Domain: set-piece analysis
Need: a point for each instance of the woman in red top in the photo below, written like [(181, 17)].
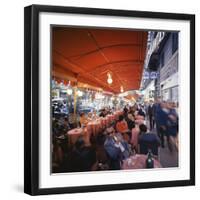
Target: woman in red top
[(121, 125)]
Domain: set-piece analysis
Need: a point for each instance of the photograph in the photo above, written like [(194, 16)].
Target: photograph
[(109, 99), (114, 99)]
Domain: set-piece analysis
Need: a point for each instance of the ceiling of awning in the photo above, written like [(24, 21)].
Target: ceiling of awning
[(87, 55)]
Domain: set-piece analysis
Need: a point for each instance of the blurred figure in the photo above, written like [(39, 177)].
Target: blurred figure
[(130, 121), (141, 111), (90, 116), (66, 124), (172, 126), (161, 115), (102, 113), (94, 114), (81, 159), (71, 120), (125, 110), (150, 112), (83, 120), (134, 137)]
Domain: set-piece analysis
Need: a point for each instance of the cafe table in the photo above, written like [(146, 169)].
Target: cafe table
[(94, 127), (138, 161)]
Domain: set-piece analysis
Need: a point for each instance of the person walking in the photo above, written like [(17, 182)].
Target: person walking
[(150, 112), (161, 121), (172, 127)]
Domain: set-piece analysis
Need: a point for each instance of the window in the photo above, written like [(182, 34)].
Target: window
[(174, 94), (174, 42)]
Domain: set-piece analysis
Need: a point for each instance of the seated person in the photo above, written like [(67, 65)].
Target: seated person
[(148, 141), (94, 114), (90, 117), (101, 155), (121, 125), (71, 120), (116, 148), (102, 113), (83, 119), (130, 121), (66, 124), (81, 158)]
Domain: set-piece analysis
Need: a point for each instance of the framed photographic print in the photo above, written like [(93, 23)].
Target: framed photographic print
[(109, 99)]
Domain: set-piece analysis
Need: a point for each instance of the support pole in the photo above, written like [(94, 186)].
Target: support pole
[(75, 104)]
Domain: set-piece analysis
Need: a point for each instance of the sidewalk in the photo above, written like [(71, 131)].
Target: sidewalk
[(167, 158)]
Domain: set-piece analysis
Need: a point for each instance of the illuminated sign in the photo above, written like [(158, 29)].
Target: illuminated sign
[(150, 75)]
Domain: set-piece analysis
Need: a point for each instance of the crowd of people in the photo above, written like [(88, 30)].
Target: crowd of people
[(164, 116), (139, 129)]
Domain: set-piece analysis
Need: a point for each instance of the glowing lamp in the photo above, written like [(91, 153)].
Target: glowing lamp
[(109, 80), (69, 91), (121, 89), (80, 93)]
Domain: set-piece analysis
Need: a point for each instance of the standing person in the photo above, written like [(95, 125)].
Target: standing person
[(156, 109), (172, 126), (150, 112), (161, 121)]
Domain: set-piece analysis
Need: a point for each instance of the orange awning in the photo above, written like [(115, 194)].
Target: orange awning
[(88, 55)]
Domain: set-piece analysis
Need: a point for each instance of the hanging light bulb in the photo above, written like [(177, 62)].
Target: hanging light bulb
[(121, 89), (61, 84), (109, 80), (69, 91), (80, 93)]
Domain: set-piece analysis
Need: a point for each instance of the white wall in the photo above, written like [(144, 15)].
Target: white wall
[(11, 100)]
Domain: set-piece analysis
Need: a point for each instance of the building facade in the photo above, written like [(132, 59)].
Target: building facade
[(162, 58)]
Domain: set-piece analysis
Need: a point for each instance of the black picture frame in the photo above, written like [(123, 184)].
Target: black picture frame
[(31, 98)]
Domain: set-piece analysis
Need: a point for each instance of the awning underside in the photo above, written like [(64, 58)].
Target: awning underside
[(88, 55)]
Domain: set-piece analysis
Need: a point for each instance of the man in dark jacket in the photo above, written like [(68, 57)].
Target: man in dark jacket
[(116, 148), (148, 140)]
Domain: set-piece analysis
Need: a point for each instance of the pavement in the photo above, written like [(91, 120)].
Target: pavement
[(166, 158)]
